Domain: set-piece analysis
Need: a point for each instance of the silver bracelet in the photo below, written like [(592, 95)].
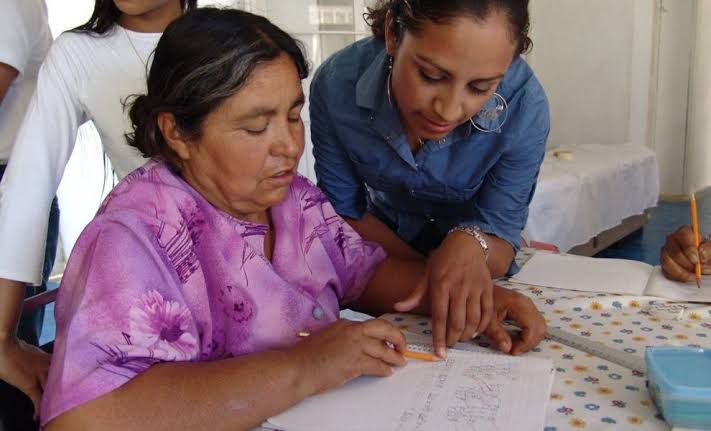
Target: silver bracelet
[(476, 233)]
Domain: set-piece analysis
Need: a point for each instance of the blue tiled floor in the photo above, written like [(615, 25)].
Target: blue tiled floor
[(643, 245)]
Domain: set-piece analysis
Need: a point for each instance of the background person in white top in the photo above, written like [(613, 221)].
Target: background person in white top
[(25, 39), (87, 74)]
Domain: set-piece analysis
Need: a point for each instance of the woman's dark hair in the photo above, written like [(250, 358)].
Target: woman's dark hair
[(203, 58), (409, 15), (106, 14)]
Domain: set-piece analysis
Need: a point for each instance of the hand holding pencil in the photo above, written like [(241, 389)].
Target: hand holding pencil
[(680, 255), (695, 230), (345, 350)]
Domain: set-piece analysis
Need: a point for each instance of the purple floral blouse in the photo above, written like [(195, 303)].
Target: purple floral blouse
[(160, 275)]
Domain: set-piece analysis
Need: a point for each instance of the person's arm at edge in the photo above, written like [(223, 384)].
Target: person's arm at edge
[(268, 383), (393, 280), (18, 35), (23, 222), (7, 76), (372, 229), (21, 365), (11, 296)]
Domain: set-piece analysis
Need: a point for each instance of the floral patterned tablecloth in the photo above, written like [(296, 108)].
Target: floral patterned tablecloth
[(589, 392)]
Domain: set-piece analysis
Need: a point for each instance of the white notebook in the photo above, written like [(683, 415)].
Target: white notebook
[(588, 274), (466, 391)]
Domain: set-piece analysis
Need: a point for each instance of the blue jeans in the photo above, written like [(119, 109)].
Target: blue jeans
[(30, 326)]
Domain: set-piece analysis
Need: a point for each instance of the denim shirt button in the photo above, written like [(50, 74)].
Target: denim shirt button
[(317, 313), (412, 192)]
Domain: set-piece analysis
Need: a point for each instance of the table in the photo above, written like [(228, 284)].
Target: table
[(591, 393)]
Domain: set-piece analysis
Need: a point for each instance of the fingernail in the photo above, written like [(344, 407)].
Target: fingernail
[(505, 346), (442, 352), (474, 335)]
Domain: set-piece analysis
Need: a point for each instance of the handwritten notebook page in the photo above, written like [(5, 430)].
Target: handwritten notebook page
[(587, 274), (466, 391)]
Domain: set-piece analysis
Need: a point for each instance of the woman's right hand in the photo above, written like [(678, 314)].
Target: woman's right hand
[(346, 349), (680, 255), (25, 367)]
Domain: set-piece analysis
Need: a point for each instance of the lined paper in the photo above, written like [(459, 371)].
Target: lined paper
[(466, 391)]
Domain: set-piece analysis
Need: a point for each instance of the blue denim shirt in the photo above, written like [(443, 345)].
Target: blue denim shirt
[(364, 162)]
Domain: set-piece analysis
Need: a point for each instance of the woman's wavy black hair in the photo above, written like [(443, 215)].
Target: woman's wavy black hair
[(409, 15), (202, 59)]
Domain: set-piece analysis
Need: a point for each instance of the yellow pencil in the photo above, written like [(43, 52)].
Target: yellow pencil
[(422, 356), (695, 228)]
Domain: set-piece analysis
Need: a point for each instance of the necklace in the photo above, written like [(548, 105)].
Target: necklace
[(135, 51)]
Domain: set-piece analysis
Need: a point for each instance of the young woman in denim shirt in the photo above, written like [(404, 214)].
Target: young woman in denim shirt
[(428, 137)]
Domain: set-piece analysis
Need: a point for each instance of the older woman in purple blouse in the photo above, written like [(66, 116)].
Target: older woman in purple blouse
[(182, 301)]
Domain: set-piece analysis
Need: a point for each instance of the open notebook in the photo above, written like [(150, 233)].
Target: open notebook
[(467, 391), (588, 274)]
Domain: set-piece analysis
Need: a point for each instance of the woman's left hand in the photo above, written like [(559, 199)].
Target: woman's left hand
[(514, 306), (458, 283)]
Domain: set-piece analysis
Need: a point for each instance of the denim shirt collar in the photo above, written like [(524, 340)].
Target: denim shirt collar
[(372, 81), (371, 94)]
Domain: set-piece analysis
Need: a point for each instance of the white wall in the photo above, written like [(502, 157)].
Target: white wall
[(63, 18), (630, 71), (582, 55), (641, 69), (697, 163), (670, 89)]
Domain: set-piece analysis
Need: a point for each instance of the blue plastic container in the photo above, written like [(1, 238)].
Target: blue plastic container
[(680, 384)]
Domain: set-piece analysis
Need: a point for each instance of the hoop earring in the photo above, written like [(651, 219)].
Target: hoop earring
[(492, 118), (389, 79)]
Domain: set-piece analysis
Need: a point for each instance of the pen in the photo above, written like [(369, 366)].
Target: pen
[(695, 228), (422, 356)]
